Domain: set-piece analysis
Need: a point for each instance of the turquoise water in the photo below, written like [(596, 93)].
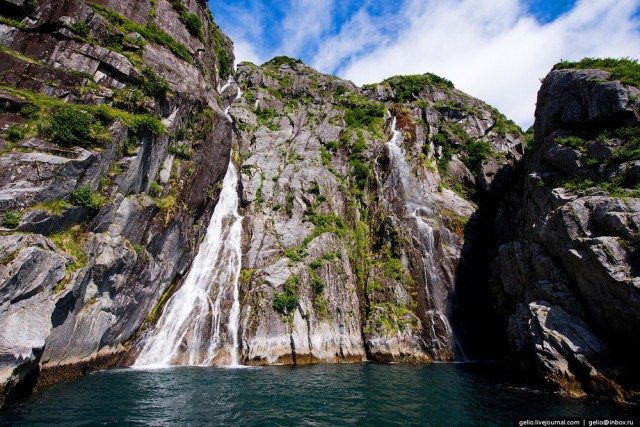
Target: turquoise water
[(358, 394)]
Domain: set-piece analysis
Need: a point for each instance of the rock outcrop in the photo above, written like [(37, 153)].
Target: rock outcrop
[(112, 107), (573, 270)]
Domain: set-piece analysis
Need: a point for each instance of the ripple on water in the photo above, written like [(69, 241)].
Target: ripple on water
[(317, 395)]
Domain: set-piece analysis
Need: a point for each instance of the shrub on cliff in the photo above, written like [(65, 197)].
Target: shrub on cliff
[(287, 301), (87, 198), (194, 25), (152, 84), (11, 219), (70, 126)]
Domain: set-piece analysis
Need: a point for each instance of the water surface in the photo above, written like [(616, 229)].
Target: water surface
[(355, 394)]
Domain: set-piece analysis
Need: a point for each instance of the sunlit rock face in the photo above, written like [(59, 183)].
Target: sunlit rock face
[(573, 270), (113, 108), (356, 205), (395, 222)]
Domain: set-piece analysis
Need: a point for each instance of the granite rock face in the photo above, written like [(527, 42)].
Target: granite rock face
[(573, 270), (78, 282), (348, 200)]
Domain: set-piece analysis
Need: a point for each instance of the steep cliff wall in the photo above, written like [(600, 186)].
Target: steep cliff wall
[(573, 270), (112, 144), (356, 203)]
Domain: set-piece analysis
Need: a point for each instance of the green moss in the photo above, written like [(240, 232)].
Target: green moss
[(626, 70), (358, 255), (225, 64), (573, 142), (180, 150), (362, 113), (157, 309), (295, 254), (246, 275), (55, 206), (389, 318), (394, 269), (81, 28), (250, 97), (12, 22), (267, 117), (16, 134), (31, 5)]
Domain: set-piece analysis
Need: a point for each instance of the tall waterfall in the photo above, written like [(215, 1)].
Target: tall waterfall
[(418, 211), (189, 331)]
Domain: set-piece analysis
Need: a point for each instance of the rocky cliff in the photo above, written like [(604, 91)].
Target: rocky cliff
[(357, 202), (113, 142), (395, 222), (573, 269)]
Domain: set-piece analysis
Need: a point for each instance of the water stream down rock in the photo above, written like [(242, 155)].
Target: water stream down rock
[(193, 329), (160, 208)]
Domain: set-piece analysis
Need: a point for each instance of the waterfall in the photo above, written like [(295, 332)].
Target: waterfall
[(418, 211), (189, 329)]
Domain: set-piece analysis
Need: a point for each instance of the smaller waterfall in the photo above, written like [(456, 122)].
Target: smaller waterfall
[(418, 210), (189, 329)]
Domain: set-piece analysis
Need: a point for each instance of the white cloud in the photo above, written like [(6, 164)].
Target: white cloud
[(305, 23), (491, 50), (360, 32), (245, 51)]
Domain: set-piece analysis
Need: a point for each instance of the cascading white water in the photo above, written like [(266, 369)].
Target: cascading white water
[(417, 210), (189, 329)]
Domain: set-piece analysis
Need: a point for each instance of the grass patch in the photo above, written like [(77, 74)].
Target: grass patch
[(153, 85), (281, 60), (83, 125), (626, 70), (71, 242), (55, 206), (362, 113), (225, 63)]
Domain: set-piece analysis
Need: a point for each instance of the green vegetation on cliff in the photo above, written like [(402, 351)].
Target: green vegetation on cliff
[(626, 70), (406, 87), (286, 302), (150, 31)]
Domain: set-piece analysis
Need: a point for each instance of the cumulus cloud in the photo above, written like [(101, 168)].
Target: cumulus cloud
[(245, 51), (494, 50), (305, 23)]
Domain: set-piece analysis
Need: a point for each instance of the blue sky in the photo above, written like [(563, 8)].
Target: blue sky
[(496, 50)]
